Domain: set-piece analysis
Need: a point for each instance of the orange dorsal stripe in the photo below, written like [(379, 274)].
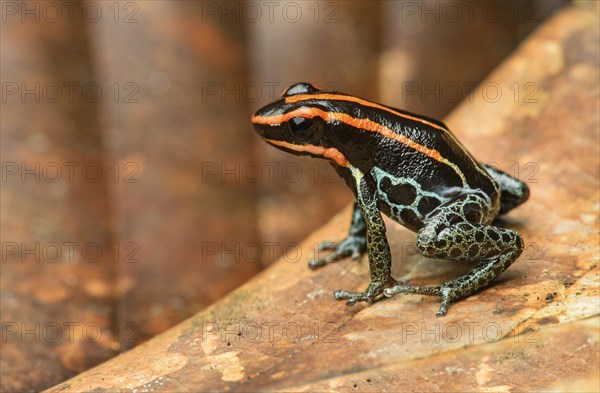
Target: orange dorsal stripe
[(364, 124), (340, 97)]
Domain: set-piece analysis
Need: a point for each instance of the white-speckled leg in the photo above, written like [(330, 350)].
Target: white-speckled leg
[(455, 232)]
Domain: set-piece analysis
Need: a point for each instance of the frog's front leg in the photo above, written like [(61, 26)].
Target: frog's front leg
[(457, 231), (378, 249), (355, 244)]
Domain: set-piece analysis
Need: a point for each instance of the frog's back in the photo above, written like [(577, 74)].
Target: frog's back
[(409, 149), (415, 147), (431, 153), (417, 162)]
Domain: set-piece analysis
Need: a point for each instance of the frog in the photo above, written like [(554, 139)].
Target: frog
[(410, 168)]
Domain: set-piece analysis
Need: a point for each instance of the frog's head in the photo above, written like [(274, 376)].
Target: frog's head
[(298, 123)]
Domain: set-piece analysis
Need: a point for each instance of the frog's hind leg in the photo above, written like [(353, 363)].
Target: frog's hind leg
[(457, 231), (513, 192)]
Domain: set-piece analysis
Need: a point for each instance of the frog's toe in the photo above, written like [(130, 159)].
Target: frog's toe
[(317, 263), (448, 295), (443, 309), (340, 294), (327, 245), (353, 246), (402, 288), (440, 291), (333, 257), (351, 297)]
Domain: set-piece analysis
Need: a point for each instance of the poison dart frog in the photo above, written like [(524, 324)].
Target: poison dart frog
[(414, 170)]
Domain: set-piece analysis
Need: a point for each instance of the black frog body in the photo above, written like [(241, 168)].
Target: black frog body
[(409, 167)]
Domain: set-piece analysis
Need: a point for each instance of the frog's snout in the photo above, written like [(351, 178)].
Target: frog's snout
[(260, 128), (267, 121)]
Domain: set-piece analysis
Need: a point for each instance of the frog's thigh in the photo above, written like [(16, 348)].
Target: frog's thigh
[(455, 231)]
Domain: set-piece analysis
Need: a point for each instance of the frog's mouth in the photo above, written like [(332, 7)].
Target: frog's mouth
[(267, 131), (307, 150)]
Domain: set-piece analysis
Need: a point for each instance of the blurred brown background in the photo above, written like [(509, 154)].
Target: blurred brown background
[(134, 191)]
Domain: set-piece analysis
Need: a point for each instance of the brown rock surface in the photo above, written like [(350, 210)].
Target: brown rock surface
[(534, 329)]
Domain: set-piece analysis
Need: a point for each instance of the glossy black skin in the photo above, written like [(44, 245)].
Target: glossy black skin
[(450, 204), (366, 149)]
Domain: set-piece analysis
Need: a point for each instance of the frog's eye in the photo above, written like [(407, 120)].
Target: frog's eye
[(302, 128), (299, 88)]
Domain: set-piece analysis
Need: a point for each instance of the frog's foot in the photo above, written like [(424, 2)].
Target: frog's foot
[(371, 295), (445, 293), (353, 246), (352, 297), (463, 286)]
